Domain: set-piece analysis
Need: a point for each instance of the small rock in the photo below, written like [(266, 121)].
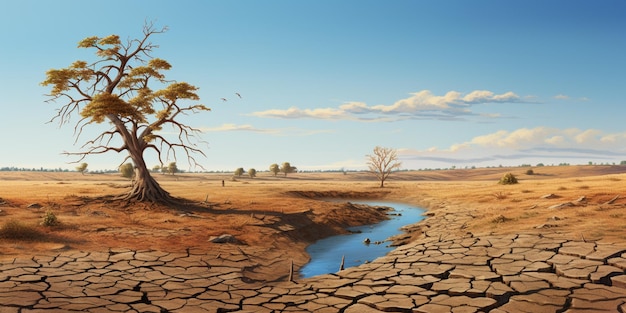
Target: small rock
[(34, 206), (547, 225), (226, 238), (561, 205), (548, 196), (367, 241)]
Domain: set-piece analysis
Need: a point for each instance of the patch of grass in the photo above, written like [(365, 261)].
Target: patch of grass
[(500, 219), (526, 191), (133, 219), (616, 215), (614, 179), (583, 187), (500, 195), (562, 188), (16, 230)]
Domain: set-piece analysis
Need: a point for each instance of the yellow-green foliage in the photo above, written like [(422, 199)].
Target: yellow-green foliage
[(49, 219), (508, 179)]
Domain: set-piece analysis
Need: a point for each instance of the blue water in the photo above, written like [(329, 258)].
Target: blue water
[(326, 253)]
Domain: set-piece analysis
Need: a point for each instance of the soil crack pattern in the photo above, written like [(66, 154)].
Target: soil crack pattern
[(445, 270)]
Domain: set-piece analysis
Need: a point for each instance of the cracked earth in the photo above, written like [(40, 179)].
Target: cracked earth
[(439, 272)]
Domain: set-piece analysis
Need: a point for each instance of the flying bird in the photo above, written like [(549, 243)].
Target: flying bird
[(238, 95), (224, 99)]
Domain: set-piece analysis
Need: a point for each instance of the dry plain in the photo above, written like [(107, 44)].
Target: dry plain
[(275, 218)]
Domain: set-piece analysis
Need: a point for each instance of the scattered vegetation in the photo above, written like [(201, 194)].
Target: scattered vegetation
[(500, 195), (239, 172), (274, 169), (508, 179), (82, 168), (500, 219), (530, 172), (286, 168), (127, 170), (49, 219)]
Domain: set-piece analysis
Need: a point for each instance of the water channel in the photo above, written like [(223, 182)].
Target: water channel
[(326, 253)]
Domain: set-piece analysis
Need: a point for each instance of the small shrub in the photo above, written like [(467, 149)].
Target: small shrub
[(508, 179), (530, 172), (49, 219)]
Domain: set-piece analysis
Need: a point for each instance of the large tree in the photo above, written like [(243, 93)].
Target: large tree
[(382, 162), (117, 88)]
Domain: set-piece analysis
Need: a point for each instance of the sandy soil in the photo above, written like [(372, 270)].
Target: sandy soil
[(275, 218)]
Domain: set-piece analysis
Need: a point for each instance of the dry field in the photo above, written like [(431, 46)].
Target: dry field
[(277, 217)]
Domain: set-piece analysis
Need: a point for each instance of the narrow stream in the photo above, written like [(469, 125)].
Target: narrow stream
[(326, 253)]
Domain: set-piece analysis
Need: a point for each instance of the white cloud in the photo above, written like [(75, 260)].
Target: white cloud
[(277, 132), (294, 112), (541, 144), (419, 105), (234, 127)]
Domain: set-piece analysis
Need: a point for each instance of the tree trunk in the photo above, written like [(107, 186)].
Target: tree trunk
[(145, 188)]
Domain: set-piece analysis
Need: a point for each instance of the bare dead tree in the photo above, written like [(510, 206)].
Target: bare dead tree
[(382, 163)]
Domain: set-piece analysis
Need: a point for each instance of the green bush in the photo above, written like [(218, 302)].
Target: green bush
[(530, 172), (508, 179), (49, 219)]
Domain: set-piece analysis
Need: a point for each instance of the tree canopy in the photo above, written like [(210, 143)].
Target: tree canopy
[(286, 168)]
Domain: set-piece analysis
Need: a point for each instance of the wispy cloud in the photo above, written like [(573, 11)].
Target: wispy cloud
[(551, 144), (561, 97), (271, 131), (235, 127), (420, 105)]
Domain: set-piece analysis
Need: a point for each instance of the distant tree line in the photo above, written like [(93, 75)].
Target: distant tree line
[(285, 168), (275, 169)]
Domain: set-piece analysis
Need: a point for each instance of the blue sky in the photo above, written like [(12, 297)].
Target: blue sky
[(447, 83)]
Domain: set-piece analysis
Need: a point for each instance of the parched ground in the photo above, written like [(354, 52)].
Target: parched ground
[(282, 215), (562, 218)]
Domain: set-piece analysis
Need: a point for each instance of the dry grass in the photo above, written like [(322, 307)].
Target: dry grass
[(14, 230), (261, 211)]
